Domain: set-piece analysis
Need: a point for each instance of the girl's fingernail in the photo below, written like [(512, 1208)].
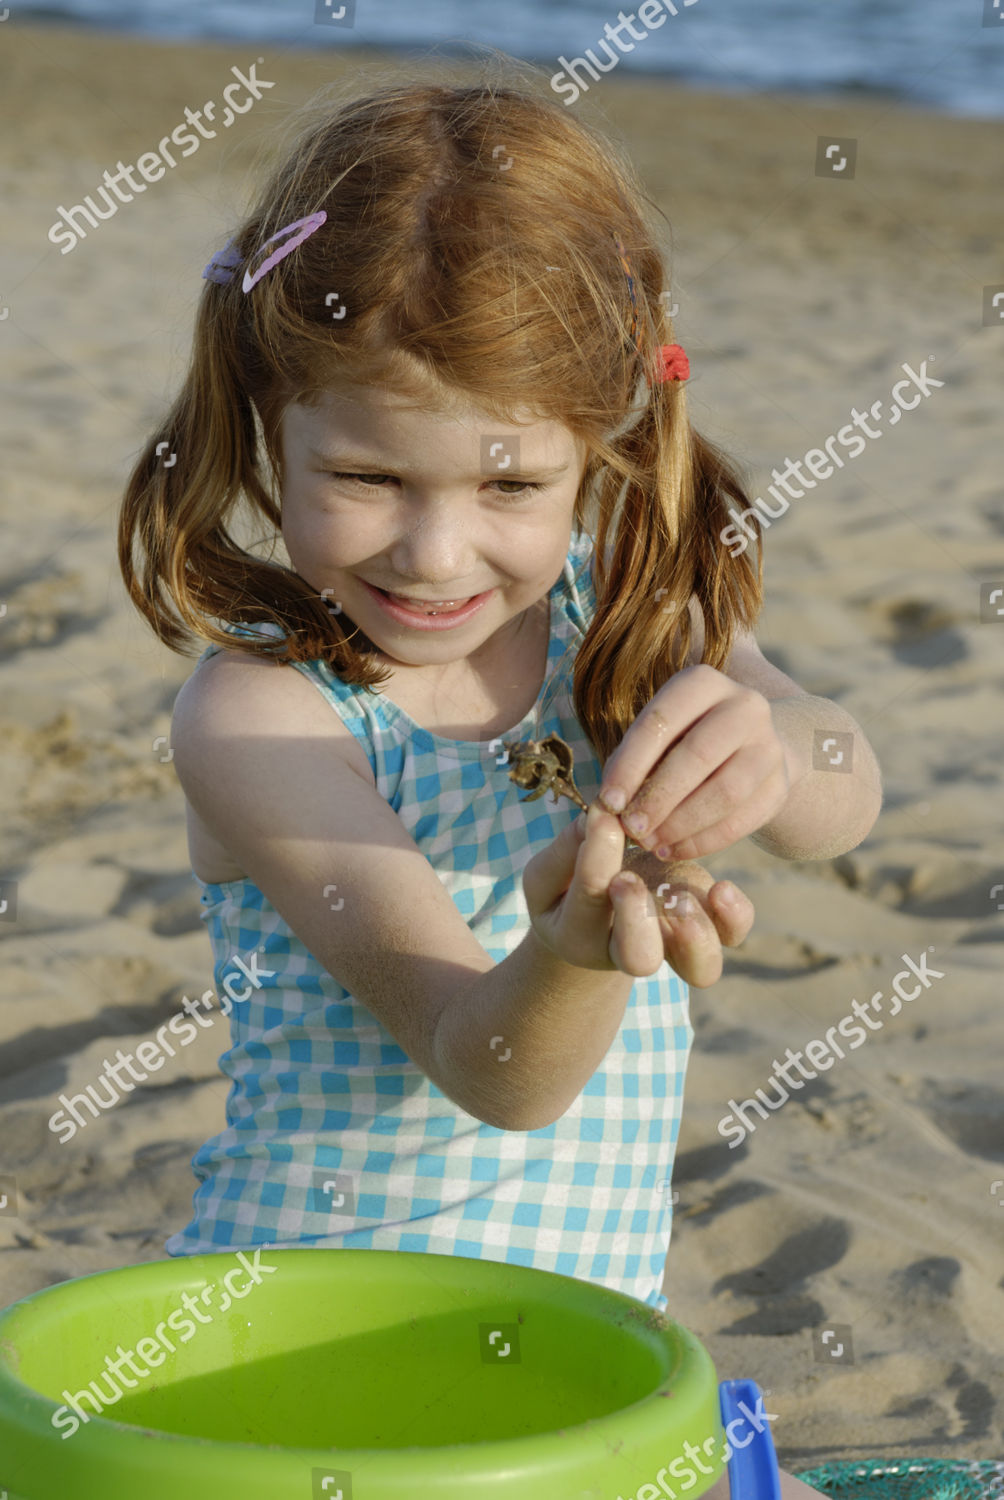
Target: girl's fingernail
[(727, 894), (684, 906), (614, 798)]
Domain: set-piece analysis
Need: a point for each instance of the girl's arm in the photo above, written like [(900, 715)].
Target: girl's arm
[(835, 791), (836, 784), (834, 787), (255, 754)]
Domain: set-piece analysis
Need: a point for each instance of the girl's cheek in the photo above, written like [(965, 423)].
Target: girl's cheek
[(336, 543)]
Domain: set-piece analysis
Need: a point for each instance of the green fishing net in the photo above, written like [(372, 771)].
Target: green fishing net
[(909, 1479)]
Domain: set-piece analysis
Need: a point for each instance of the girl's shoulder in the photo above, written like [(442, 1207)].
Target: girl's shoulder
[(232, 685), (223, 672)]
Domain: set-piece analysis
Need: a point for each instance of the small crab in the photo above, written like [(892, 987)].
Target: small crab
[(544, 765)]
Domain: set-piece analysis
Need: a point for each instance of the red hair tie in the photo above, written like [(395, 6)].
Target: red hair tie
[(673, 363)]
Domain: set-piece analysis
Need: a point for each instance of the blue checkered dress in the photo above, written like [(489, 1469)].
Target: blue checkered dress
[(334, 1137)]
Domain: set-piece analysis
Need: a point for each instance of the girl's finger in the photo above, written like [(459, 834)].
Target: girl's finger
[(600, 857), (733, 918), (691, 944), (551, 870), (587, 914), (636, 942)]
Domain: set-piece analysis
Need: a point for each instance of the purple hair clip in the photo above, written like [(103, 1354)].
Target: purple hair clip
[(223, 265)]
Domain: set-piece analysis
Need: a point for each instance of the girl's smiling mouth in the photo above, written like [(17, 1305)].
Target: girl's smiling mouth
[(427, 615)]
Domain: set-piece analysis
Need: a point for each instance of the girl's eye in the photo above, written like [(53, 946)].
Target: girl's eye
[(524, 486)]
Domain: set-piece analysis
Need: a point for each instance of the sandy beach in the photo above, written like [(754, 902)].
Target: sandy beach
[(872, 1203)]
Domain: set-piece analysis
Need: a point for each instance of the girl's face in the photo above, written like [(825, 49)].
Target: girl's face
[(379, 496)]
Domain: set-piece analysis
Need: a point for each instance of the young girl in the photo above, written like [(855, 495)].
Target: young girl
[(433, 356)]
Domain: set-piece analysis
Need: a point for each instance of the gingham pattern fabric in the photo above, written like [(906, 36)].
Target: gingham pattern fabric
[(335, 1137)]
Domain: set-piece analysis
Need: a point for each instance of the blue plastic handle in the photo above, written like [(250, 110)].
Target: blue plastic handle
[(753, 1471)]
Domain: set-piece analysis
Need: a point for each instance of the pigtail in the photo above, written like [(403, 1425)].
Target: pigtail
[(667, 548), (205, 457)]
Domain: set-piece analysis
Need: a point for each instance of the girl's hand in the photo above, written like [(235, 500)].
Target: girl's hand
[(718, 769), (585, 911)]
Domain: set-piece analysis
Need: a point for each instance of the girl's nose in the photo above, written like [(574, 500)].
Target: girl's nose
[(440, 554)]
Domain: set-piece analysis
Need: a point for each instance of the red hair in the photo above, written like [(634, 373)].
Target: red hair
[(440, 257)]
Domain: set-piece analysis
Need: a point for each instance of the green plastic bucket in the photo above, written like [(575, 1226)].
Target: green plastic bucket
[(349, 1375)]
